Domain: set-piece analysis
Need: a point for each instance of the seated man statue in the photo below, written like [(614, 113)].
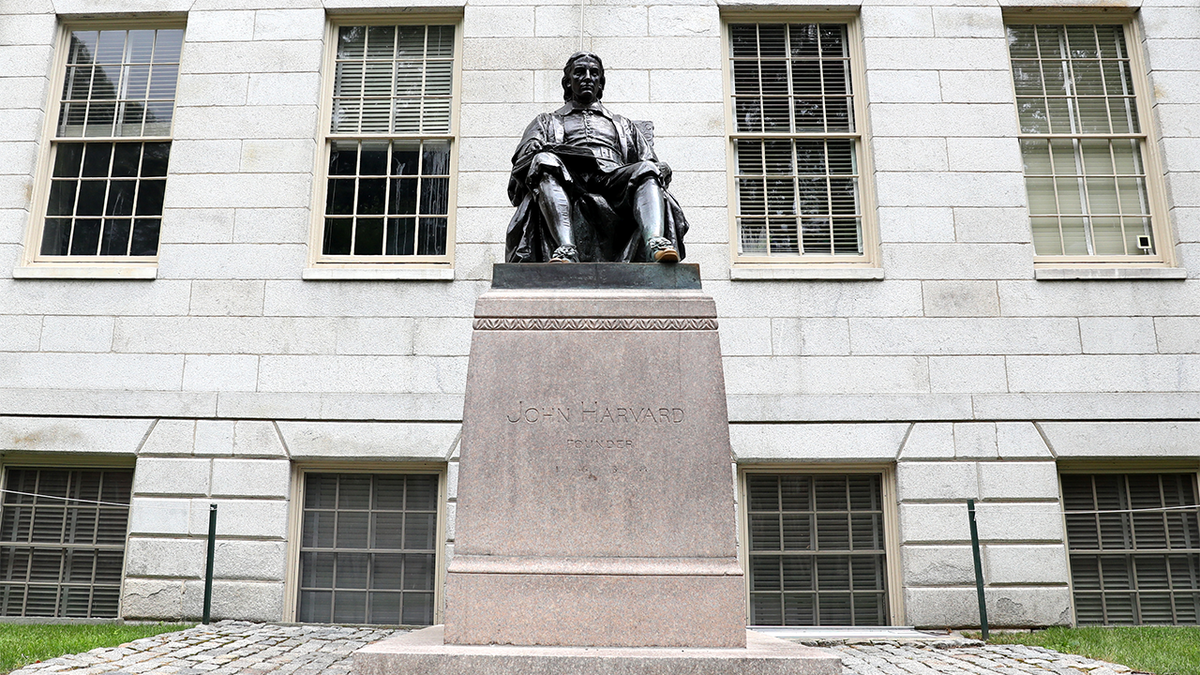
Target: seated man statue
[(587, 185)]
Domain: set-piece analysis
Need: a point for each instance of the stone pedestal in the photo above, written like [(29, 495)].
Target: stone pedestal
[(596, 489), (595, 528)]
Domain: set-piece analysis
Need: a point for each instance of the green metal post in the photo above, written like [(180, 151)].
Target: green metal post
[(212, 549), (983, 624)]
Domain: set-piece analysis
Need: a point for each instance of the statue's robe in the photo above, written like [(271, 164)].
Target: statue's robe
[(604, 228)]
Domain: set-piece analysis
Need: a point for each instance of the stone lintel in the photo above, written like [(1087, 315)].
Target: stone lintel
[(423, 653)]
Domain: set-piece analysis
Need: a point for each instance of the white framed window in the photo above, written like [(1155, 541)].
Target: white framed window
[(389, 160), (369, 548), (104, 171), (1134, 546), (1091, 170), (799, 176), (62, 541), (815, 549)]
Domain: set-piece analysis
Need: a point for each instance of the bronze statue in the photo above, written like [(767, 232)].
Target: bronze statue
[(587, 184)]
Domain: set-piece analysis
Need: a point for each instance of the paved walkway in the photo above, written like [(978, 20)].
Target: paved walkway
[(232, 647)]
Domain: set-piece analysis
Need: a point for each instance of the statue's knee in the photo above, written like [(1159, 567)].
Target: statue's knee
[(544, 167), (647, 168), (545, 160)]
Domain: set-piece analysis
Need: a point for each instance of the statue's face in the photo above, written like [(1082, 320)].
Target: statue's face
[(585, 80)]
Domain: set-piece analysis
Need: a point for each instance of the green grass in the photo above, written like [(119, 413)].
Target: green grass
[(1165, 650), (21, 645)]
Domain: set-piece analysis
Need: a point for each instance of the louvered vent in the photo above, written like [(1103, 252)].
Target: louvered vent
[(61, 554), (816, 550), (1139, 567), (368, 549)]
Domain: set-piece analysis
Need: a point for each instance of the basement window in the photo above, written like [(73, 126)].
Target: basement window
[(1128, 565), (816, 553), (368, 548), (62, 542)]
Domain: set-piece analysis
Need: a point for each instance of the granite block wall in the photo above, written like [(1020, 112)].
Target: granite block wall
[(959, 368)]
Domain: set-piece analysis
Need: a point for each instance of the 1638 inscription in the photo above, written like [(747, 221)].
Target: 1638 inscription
[(530, 413)]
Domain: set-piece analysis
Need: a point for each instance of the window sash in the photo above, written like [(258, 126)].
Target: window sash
[(792, 83)]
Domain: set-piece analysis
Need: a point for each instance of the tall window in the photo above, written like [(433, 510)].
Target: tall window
[(368, 550), (1134, 543), (1083, 140), (816, 550), (796, 143), (62, 541), (111, 145), (390, 145)]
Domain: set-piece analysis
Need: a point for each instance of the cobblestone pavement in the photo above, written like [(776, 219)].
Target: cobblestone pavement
[(258, 649)]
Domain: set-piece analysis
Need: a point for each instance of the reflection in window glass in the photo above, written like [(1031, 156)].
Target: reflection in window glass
[(106, 192)]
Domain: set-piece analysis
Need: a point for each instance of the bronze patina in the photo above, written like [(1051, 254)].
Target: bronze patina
[(587, 184)]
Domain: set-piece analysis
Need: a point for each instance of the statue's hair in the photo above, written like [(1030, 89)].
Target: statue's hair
[(566, 80)]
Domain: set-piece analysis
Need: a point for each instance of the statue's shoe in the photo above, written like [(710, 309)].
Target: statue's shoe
[(666, 255), (565, 254)]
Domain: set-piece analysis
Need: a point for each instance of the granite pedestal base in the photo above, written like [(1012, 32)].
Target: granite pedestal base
[(595, 494), (424, 653)]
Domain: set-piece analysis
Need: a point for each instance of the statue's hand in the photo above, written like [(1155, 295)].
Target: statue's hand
[(665, 170)]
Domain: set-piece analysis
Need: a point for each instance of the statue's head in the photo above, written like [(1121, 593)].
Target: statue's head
[(583, 77)]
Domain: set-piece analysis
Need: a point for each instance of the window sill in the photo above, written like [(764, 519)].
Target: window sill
[(1107, 273), (781, 272), (86, 271), (390, 273)]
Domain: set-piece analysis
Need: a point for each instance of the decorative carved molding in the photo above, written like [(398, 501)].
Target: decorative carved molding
[(538, 323)]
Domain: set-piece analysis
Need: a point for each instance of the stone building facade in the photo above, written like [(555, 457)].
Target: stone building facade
[(249, 355)]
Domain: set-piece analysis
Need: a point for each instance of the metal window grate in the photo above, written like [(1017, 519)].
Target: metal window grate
[(388, 191), (796, 144), (368, 549), (106, 198), (816, 550), (1139, 567), (60, 554), (1081, 140)]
